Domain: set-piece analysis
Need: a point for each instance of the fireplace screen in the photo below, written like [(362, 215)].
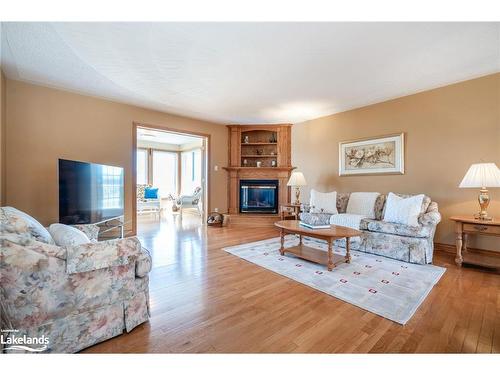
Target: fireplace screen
[(259, 196)]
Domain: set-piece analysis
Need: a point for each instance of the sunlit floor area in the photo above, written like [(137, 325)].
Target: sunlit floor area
[(171, 237)]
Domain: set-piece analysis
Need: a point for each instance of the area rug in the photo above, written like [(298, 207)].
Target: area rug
[(383, 286)]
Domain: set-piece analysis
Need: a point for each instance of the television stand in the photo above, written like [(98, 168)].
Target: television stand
[(111, 228)]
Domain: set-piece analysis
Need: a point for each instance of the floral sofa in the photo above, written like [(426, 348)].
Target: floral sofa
[(397, 241), (76, 296)]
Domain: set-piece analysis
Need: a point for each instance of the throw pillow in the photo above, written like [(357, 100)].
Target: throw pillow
[(65, 235), (403, 210), (323, 202), (362, 204), (151, 193), (36, 229)]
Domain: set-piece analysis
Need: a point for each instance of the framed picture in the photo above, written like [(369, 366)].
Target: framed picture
[(381, 155)]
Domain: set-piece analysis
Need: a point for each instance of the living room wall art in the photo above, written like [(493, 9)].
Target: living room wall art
[(380, 155)]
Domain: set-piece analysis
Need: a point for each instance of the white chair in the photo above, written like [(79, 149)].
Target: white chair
[(190, 201)]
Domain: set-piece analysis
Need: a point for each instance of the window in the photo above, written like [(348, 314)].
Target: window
[(165, 172), (191, 170), (142, 166), (112, 187)]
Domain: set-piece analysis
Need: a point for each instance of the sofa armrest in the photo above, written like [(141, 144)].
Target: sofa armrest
[(432, 217), (144, 263), (91, 230), (94, 256)]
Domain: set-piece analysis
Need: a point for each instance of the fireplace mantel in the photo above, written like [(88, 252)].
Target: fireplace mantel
[(259, 169), (269, 144)]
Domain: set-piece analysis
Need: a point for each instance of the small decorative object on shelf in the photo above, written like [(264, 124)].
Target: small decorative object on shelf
[(273, 163), (246, 139), (215, 219), (259, 164), (245, 162), (259, 151), (273, 138)]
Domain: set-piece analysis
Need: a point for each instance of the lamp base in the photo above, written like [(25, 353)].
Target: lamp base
[(297, 196), (484, 201)]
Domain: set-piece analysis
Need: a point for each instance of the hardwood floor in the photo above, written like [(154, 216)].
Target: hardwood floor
[(205, 300)]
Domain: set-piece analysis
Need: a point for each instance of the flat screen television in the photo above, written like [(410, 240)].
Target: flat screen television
[(89, 193)]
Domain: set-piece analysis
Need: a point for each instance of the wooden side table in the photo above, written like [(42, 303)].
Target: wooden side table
[(467, 225), (290, 211)]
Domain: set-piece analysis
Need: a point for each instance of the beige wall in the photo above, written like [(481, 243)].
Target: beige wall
[(447, 129), (44, 124), (3, 113)]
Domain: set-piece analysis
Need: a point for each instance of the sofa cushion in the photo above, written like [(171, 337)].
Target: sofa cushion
[(12, 224), (347, 220), (425, 203), (361, 203), (403, 210), (379, 207), (65, 235), (36, 229), (323, 202), (397, 229), (342, 199)]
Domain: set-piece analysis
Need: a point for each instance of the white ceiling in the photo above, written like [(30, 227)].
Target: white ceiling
[(249, 72), (149, 135)]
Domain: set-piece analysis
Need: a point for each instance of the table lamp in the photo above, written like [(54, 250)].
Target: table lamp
[(297, 180), (482, 176)]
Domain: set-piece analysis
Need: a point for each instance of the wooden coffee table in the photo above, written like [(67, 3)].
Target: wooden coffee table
[(315, 255)]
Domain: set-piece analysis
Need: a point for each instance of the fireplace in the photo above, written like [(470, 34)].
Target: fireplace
[(259, 196)]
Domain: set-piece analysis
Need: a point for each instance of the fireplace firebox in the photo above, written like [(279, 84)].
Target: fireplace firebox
[(259, 196)]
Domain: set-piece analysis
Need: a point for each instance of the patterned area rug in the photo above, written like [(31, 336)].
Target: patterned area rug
[(383, 286)]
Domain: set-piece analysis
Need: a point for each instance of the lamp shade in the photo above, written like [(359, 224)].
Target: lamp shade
[(297, 179), (481, 175)]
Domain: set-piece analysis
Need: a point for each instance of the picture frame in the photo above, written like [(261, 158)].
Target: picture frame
[(373, 156)]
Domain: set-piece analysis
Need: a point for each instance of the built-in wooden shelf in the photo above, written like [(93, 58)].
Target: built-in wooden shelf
[(259, 156), (259, 168), (258, 143), (274, 144)]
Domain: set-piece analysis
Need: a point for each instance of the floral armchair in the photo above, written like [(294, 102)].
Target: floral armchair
[(76, 296)]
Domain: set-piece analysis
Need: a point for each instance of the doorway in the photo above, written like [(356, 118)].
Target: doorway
[(170, 177)]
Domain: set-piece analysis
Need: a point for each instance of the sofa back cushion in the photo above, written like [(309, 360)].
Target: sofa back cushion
[(362, 203), (65, 235), (403, 210), (323, 202), (426, 201), (36, 229)]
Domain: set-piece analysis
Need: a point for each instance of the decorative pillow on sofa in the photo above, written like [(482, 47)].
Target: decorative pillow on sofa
[(65, 235), (151, 193), (403, 210), (36, 229), (323, 202), (362, 204)]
